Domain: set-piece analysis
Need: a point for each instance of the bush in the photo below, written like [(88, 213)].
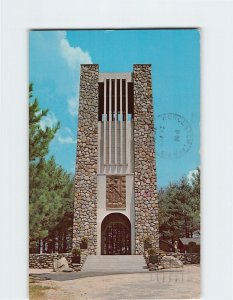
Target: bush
[(147, 240), (153, 251), (76, 252)]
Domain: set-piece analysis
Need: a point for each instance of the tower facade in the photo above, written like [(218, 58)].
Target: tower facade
[(116, 204)]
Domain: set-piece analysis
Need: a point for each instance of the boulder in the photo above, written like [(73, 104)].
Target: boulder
[(168, 262), (61, 265)]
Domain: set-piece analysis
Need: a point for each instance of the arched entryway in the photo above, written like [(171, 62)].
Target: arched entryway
[(115, 235)]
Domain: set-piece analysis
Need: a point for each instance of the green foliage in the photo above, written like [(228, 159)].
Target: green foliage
[(153, 251), (50, 205), (50, 187), (39, 138), (147, 240), (179, 208), (85, 239), (76, 252)]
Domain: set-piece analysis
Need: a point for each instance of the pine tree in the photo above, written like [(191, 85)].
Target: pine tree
[(51, 198), (39, 138), (50, 187), (179, 208)]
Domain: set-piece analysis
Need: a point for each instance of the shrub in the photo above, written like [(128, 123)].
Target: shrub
[(153, 251), (76, 252), (147, 240)]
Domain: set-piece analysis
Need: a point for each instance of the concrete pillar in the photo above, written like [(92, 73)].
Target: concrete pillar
[(105, 121), (110, 123), (121, 124), (115, 81), (127, 148)]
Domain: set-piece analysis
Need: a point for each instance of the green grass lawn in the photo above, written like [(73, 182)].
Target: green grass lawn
[(37, 291)]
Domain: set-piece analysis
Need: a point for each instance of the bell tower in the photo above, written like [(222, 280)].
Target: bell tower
[(115, 205)]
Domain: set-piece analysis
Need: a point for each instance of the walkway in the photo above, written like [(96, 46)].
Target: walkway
[(173, 284)]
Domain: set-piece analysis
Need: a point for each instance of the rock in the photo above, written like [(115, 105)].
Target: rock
[(153, 267), (160, 267), (55, 268), (68, 270), (168, 262), (61, 265)]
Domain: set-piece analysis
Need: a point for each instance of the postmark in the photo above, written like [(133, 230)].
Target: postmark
[(174, 135)]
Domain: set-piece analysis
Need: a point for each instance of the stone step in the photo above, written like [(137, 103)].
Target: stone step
[(115, 263)]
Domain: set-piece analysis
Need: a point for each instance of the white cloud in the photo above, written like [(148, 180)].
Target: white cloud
[(73, 106), (55, 72), (190, 175), (48, 121), (74, 55), (66, 137), (55, 68), (67, 129)]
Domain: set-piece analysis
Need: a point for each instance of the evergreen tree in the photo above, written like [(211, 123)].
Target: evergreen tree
[(179, 208), (39, 138), (195, 197), (50, 187), (51, 198)]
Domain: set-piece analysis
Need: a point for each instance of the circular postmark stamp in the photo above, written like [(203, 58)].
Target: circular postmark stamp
[(174, 135)]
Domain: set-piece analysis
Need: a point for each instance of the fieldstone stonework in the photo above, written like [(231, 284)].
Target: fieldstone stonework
[(146, 201), (185, 258), (85, 203), (46, 260), (116, 204)]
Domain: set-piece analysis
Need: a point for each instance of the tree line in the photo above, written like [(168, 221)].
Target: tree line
[(179, 208), (50, 188), (51, 195)]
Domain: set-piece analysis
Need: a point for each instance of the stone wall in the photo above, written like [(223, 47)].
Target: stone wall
[(146, 202), (186, 258), (85, 203), (45, 260), (190, 258)]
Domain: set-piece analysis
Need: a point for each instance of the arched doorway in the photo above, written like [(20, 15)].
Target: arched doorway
[(115, 235)]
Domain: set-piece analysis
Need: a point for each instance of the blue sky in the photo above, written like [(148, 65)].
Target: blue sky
[(54, 69)]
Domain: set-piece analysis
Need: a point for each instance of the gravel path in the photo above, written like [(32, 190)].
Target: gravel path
[(173, 284)]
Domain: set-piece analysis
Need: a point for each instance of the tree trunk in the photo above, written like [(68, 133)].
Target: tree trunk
[(59, 242), (64, 241), (38, 242), (53, 245), (186, 228)]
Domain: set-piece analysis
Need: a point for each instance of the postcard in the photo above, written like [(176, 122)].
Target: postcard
[(114, 164)]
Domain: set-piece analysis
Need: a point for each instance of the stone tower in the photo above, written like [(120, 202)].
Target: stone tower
[(116, 204)]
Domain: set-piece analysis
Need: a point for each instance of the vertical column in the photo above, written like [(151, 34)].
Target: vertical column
[(115, 81), (105, 120), (110, 123), (121, 125), (85, 193), (127, 148), (145, 193), (126, 100)]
